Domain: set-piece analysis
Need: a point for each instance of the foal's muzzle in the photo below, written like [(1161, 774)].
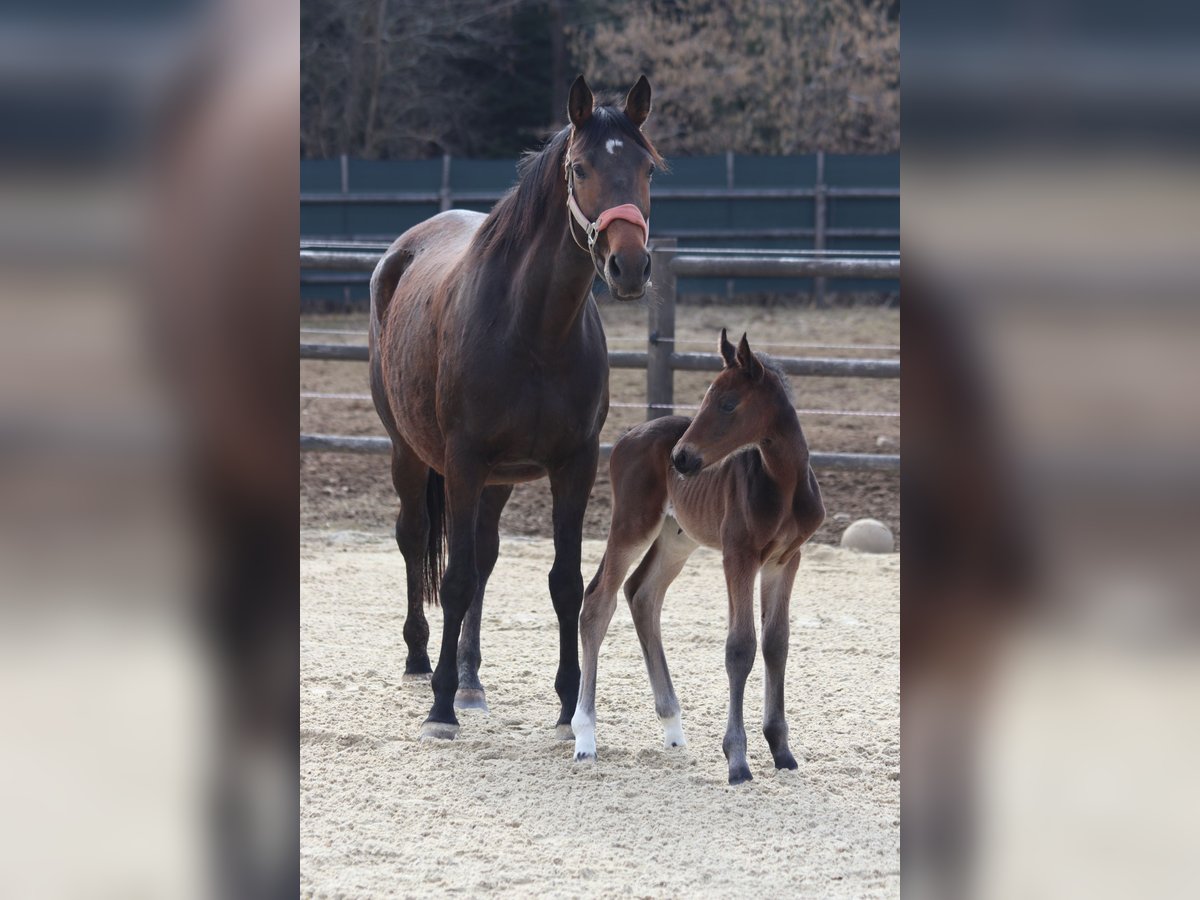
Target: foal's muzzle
[(686, 461)]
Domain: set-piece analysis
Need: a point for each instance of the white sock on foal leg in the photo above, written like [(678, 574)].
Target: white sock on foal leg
[(585, 736), (672, 731)]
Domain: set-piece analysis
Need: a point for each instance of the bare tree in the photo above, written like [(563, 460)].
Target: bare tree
[(757, 76), (411, 78), (416, 78)]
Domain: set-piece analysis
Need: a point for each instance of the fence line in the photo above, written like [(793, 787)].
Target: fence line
[(326, 395), (660, 360), (820, 193), (639, 338), (336, 443), (813, 366)]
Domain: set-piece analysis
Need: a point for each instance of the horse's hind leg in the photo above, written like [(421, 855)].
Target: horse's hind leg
[(465, 479), (645, 591), (470, 693), (410, 478), (777, 584)]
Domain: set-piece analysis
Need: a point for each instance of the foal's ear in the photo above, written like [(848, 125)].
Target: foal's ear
[(637, 103), (580, 102), (748, 361), (726, 350)]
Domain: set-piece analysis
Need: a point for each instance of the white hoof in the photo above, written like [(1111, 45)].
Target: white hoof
[(673, 732), (585, 744), (416, 677), (438, 731), (564, 732)]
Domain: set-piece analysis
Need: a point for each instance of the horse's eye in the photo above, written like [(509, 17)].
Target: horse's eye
[(578, 170), (729, 404), (650, 173)]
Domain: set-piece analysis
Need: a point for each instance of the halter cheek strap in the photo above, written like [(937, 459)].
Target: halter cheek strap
[(626, 212)]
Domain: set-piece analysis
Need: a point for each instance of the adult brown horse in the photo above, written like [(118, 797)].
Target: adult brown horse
[(489, 368), (735, 478)]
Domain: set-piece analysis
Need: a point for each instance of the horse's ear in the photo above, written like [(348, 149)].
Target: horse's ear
[(748, 361), (726, 349), (637, 103), (580, 102)]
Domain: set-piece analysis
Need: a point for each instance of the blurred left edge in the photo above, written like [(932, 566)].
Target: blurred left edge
[(148, 574)]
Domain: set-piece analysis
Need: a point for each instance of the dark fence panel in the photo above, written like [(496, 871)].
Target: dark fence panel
[(773, 202)]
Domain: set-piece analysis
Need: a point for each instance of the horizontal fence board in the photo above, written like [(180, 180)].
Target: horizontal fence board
[(692, 362), (335, 443), (788, 193), (795, 365), (693, 266), (357, 352)]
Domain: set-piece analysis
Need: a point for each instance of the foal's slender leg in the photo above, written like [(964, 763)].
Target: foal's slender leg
[(645, 591), (777, 584), (570, 485), (740, 647), (598, 606), (409, 477), (470, 693), (465, 478)]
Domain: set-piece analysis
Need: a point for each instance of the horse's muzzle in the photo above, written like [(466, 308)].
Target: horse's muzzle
[(686, 461), (628, 272)]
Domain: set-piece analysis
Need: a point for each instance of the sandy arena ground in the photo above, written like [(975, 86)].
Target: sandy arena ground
[(505, 810)]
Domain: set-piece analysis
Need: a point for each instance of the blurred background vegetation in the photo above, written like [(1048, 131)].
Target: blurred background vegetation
[(403, 79)]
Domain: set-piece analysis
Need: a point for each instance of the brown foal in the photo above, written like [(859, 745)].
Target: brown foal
[(735, 478)]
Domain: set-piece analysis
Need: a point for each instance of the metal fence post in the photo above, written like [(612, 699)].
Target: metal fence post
[(660, 375), (729, 183), (344, 162), (445, 191), (819, 223)]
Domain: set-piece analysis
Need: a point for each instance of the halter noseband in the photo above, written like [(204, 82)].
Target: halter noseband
[(626, 212)]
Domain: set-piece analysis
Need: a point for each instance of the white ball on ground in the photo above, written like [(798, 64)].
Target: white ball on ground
[(868, 536)]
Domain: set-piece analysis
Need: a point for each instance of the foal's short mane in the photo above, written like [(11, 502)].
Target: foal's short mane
[(775, 366), (541, 182)]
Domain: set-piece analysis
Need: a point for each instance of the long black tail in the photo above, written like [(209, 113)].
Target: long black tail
[(435, 551)]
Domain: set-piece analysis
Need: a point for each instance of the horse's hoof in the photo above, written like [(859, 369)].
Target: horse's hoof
[(417, 677), (585, 756), (785, 760), (563, 732), (673, 744), (438, 731), (470, 698), (740, 774)]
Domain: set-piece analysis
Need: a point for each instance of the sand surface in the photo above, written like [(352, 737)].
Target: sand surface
[(505, 810)]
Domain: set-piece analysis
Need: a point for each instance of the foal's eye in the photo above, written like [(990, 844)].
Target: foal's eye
[(650, 172), (729, 404)]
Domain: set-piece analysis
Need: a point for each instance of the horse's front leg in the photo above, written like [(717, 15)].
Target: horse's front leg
[(777, 584), (740, 648), (465, 478), (571, 485)]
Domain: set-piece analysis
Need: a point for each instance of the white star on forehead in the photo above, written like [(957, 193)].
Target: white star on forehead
[(611, 144)]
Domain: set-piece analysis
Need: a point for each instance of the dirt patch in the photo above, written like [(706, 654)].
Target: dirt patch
[(504, 810), (353, 492)]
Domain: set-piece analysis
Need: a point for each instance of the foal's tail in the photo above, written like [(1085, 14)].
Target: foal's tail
[(435, 549)]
